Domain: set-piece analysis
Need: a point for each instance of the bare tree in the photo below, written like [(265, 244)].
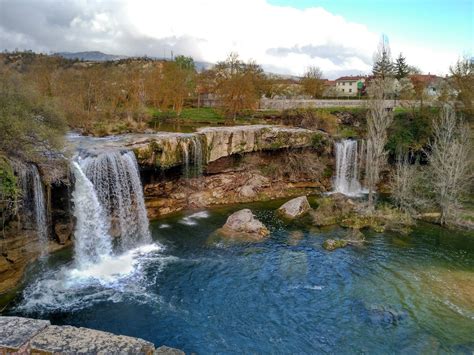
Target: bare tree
[(404, 185), (312, 82), (379, 120), (450, 162)]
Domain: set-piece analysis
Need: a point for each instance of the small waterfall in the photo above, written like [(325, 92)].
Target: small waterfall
[(347, 168), (116, 181), (92, 241), (191, 149), (33, 201)]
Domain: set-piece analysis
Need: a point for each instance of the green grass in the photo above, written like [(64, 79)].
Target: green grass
[(204, 114)]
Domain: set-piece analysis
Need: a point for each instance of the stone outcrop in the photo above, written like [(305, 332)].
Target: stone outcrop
[(258, 176), (294, 208), (243, 226), (32, 336), (166, 150)]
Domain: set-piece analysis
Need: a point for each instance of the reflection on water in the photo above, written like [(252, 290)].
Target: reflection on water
[(395, 294)]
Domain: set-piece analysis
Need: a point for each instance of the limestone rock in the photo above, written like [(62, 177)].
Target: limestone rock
[(166, 350), (15, 332), (295, 208), (72, 340), (333, 244), (63, 232), (242, 225)]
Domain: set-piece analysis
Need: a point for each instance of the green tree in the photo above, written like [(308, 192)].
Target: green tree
[(383, 66), (401, 67)]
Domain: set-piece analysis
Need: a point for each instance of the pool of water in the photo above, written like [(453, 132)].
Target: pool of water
[(394, 294)]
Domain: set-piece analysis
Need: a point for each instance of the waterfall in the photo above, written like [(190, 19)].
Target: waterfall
[(347, 168), (33, 201), (191, 149), (92, 241), (116, 182)]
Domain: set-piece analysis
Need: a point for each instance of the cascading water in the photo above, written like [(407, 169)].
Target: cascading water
[(191, 148), (116, 181), (92, 241), (347, 168), (107, 191), (34, 200)]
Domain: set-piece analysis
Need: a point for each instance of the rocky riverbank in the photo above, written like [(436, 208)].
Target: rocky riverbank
[(33, 336)]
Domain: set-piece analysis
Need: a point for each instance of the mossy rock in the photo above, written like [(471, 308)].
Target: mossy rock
[(363, 221), (333, 244)]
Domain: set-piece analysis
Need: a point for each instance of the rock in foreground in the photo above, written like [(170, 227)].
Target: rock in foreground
[(33, 336), (294, 208), (243, 226)]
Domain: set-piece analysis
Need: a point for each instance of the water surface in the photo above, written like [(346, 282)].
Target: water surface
[(395, 294)]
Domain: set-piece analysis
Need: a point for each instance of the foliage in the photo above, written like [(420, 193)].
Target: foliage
[(31, 125), (383, 66), (410, 131), (463, 81), (401, 67), (238, 85), (312, 83)]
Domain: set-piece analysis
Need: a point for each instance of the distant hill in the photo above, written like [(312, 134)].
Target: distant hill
[(92, 56), (96, 56)]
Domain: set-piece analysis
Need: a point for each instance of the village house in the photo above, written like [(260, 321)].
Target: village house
[(349, 85)]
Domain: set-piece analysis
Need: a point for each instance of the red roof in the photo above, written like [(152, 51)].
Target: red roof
[(424, 78)]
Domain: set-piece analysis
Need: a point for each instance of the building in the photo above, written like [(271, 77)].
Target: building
[(431, 83), (349, 85)]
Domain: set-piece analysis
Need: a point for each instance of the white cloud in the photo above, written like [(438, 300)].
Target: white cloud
[(282, 39)]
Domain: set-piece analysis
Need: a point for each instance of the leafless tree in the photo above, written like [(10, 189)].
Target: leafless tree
[(404, 184), (450, 161), (379, 120)]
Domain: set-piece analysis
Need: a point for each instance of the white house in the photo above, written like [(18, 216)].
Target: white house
[(347, 85)]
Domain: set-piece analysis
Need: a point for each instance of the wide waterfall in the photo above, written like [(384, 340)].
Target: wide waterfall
[(92, 241), (116, 181), (191, 149), (347, 168), (34, 199)]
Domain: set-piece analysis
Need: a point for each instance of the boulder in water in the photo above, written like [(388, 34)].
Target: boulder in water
[(355, 236), (333, 244), (243, 226), (294, 208)]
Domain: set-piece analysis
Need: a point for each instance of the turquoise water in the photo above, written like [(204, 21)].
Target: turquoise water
[(394, 294)]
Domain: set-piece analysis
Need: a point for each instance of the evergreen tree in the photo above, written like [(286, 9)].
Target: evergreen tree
[(401, 67), (383, 66)]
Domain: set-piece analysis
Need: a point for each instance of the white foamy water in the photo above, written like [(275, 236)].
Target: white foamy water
[(114, 278), (191, 220), (92, 241), (347, 168)]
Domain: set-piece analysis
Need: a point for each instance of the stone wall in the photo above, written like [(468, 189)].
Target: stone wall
[(33, 336), (284, 104)]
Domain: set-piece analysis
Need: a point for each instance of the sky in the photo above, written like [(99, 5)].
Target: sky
[(286, 37)]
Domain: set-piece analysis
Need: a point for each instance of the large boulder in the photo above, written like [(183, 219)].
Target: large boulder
[(294, 208), (243, 226)]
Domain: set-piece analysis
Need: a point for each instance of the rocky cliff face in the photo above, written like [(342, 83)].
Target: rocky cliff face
[(167, 150)]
